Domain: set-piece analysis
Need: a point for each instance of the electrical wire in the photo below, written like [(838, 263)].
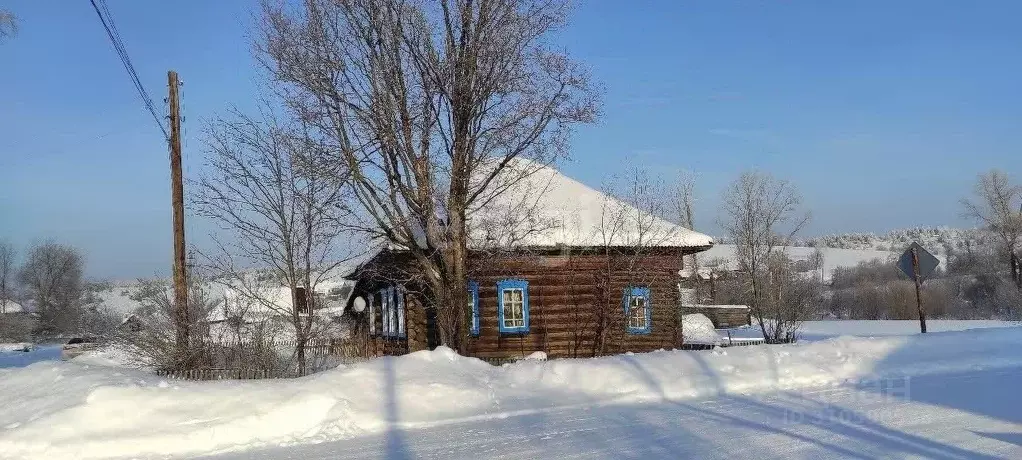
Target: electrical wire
[(115, 39)]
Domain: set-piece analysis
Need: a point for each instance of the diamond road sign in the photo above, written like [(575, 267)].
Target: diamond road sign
[(927, 262)]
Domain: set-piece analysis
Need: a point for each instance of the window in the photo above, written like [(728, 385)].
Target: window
[(513, 299), (399, 301), (392, 306), (637, 310), (384, 311), (473, 306), (392, 301)]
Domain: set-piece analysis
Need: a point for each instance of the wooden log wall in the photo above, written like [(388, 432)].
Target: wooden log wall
[(576, 304), (721, 317)]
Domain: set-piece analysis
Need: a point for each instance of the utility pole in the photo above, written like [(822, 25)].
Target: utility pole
[(178, 203)]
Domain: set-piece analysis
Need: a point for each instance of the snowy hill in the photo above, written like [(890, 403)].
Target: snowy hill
[(850, 249), (722, 257), (942, 240)]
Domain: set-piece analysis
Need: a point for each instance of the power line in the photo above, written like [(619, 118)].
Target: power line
[(115, 39)]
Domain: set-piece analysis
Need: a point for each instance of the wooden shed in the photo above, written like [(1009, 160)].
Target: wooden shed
[(722, 316), (557, 292)]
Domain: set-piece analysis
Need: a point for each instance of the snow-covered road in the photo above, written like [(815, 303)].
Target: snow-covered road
[(942, 416)]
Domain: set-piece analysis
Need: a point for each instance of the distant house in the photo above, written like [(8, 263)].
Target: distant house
[(8, 306), (722, 316), (131, 323), (240, 314), (16, 321), (574, 288)]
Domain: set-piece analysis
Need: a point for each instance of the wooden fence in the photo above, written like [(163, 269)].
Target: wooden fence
[(232, 360), (242, 360), (215, 374)]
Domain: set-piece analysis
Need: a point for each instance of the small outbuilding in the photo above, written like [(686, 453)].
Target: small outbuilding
[(722, 316)]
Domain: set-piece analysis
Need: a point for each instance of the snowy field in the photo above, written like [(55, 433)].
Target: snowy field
[(833, 258), (813, 331), (819, 330), (440, 405)]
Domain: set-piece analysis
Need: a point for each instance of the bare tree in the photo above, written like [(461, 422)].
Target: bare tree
[(683, 212), (998, 207), (758, 207), (429, 104), (283, 203), (52, 275), (631, 229), (150, 332), (8, 24), (793, 297), (7, 256)]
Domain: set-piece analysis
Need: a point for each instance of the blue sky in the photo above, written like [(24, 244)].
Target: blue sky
[(881, 112)]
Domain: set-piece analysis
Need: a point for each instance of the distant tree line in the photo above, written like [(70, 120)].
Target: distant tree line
[(982, 278), (47, 296)]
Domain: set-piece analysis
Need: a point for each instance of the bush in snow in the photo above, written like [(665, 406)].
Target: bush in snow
[(15, 327), (788, 296), (149, 334)]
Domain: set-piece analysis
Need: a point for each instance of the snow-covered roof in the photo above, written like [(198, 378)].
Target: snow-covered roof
[(280, 297), (118, 300), (548, 208), (11, 306)]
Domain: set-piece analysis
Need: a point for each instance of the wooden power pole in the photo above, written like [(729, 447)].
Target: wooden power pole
[(178, 202)]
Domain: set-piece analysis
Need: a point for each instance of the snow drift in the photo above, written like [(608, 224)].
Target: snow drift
[(699, 329), (71, 410), (16, 346)]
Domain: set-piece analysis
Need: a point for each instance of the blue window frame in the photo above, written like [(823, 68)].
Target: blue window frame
[(473, 305), (513, 306), (638, 311)]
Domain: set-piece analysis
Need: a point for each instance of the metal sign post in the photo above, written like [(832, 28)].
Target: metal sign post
[(918, 264), (919, 298)]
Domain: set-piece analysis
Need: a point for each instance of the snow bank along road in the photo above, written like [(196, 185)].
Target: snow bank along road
[(940, 416), (58, 410)]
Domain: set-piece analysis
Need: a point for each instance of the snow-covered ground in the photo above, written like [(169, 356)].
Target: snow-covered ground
[(819, 330), (936, 416), (39, 353), (723, 257), (812, 331), (74, 410), (16, 346)]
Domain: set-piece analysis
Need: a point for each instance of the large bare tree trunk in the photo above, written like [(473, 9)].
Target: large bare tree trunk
[(429, 105)]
